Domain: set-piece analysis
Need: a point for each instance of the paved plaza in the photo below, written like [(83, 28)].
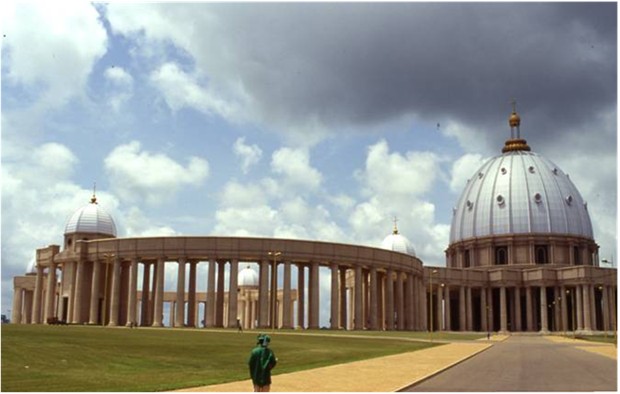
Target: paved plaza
[(515, 363)]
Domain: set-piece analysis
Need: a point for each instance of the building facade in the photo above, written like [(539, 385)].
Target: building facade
[(521, 257)]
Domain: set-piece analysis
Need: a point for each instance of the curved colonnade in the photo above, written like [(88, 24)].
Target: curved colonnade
[(100, 281)]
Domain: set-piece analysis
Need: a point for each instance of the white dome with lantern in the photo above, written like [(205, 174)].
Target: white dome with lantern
[(91, 219), (247, 278), (519, 192), (398, 243)]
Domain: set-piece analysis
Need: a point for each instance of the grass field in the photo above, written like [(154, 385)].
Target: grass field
[(598, 338), (83, 358)]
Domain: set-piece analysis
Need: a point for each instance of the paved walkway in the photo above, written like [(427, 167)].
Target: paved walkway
[(383, 374), (530, 363), (604, 349)]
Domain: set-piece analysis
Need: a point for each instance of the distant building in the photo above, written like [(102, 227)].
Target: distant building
[(521, 257)]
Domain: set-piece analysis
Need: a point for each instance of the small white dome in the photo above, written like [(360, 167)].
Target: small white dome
[(247, 278), (93, 219), (398, 243), (32, 267)]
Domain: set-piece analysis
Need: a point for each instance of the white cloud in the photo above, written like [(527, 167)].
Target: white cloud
[(392, 174), (294, 166), (118, 76), (120, 87), (181, 89), (58, 62), (463, 168), (138, 175), (249, 154)]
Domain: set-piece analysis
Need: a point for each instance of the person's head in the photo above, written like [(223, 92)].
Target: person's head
[(266, 340), (259, 339)]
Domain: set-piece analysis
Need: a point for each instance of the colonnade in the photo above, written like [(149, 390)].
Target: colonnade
[(545, 308)]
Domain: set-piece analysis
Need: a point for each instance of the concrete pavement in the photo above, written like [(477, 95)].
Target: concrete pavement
[(383, 374), (531, 363)]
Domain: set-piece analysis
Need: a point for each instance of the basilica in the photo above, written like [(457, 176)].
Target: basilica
[(521, 258)]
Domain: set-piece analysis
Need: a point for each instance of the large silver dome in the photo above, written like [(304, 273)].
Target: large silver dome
[(92, 219), (519, 192)]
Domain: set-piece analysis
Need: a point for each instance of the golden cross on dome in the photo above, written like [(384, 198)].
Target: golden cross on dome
[(93, 199), (395, 227), (514, 106)]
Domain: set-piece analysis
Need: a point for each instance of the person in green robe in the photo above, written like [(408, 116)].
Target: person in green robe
[(262, 361)]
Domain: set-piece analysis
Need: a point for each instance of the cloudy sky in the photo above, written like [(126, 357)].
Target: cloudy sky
[(314, 121)]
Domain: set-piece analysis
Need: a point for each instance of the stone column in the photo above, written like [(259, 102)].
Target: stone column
[(16, 313), (71, 267), (50, 296), (423, 309), (232, 293), (334, 312), (587, 317), (93, 316), (132, 294), (313, 320), (592, 307), (358, 320), (543, 310), (77, 294), (27, 312), (263, 295), (469, 306), (191, 295), (410, 310), (179, 315), (604, 308), (145, 307), (612, 307), (287, 321), (115, 292), (400, 307), (503, 310), (38, 292), (564, 308), (301, 285), (529, 314), (578, 293), (210, 305), (438, 305), (158, 302), (484, 311), (518, 309), (343, 297), (219, 303), (462, 313), (446, 296), (389, 304)]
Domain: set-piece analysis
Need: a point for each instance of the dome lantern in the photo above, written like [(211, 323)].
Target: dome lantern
[(515, 143)]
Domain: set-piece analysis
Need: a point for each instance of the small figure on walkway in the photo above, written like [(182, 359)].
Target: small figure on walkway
[(239, 327), (488, 335), (262, 361)]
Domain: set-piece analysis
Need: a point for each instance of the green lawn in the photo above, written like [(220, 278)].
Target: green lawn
[(598, 338), (83, 358)]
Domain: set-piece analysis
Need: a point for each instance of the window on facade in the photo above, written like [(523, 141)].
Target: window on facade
[(466, 261), (501, 255), (576, 255), (541, 254)]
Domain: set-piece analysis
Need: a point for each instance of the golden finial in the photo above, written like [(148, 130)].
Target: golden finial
[(514, 120), (93, 199), (515, 142), (395, 231)]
